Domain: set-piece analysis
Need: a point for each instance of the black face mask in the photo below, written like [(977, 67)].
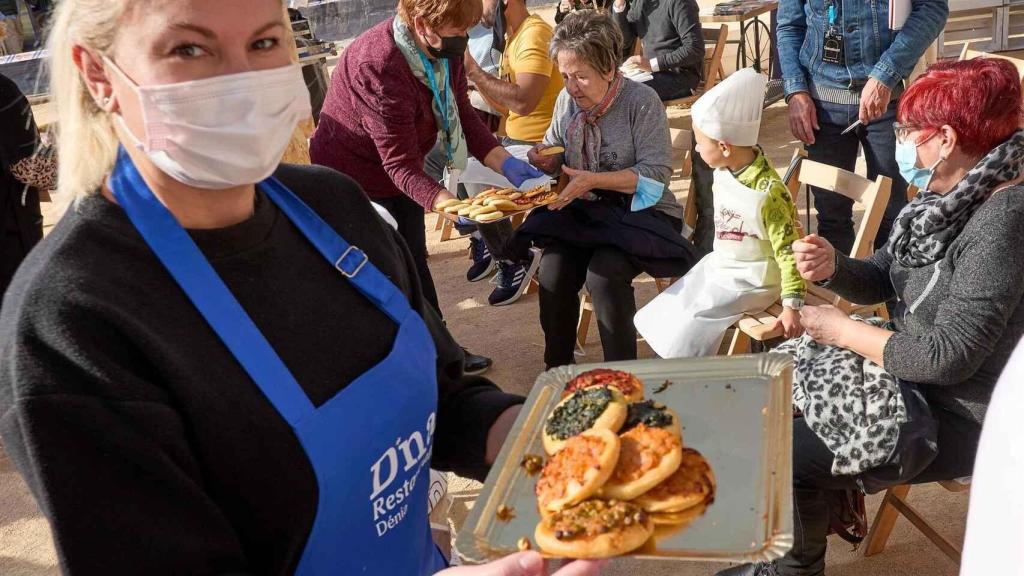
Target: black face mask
[(452, 47)]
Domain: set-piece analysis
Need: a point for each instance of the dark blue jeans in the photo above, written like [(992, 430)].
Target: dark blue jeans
[(835, 211)]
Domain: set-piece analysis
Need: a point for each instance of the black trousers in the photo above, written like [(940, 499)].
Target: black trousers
[(672, 85), (608, 274), (409, 216), (703, 178), (812, 479)]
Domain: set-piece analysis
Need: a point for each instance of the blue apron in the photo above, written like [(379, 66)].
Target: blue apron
[(370, 444)]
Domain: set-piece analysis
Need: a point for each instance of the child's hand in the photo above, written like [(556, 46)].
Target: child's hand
[(790, 320)]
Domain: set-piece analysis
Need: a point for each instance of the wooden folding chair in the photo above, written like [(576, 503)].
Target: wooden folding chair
[(968, 54), (682, 141), (871, 196), (714, 42), (894, 504)]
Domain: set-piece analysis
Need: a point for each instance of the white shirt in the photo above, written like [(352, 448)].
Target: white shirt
[(995, 520)]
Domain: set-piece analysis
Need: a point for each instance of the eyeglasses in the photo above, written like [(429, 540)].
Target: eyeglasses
[(903, 132)]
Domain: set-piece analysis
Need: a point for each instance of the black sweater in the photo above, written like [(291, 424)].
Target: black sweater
[(146, 444), (669, 31)]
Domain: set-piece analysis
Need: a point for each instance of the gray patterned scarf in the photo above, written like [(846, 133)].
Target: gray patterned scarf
[(927, 226)]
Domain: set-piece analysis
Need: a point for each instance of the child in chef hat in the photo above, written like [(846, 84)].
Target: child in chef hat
[(752, 263)]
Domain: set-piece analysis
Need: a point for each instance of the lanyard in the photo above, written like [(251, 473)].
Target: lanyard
[(831, 7), (441, 99)]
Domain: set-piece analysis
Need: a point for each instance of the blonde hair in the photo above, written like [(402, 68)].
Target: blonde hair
[(86, 142)]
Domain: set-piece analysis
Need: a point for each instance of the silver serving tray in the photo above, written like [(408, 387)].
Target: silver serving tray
[(735, 410)]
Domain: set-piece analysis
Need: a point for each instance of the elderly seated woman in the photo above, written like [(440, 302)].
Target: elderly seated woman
[(616, 217), (954, 264)]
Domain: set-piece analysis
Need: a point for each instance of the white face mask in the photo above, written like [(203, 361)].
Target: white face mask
[(223, 131)]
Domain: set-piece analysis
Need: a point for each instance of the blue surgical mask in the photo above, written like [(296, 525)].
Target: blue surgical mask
[(648, 193), (906, 158)]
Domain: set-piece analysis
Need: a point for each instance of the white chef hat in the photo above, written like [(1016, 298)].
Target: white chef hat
[(731, 111)]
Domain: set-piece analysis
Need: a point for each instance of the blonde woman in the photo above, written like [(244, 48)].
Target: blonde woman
[(215, 364)]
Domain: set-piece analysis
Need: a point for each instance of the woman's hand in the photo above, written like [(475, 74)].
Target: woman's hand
[(548, 164), (790, 321), (815, 258), (581, 182), (825, 324), (525, 564), (516, 171)]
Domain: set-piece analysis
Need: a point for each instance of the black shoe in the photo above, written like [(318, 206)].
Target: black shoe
[(483, 264), (474, 364), (514, 279), (756, 569)]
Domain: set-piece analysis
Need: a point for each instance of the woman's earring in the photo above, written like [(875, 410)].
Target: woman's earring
[(725, 152)]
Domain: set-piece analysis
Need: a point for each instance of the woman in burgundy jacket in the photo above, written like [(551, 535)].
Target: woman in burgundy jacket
[(399, 87)]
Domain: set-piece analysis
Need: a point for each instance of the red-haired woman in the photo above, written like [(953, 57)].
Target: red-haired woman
[(398, 88), (954, 264)]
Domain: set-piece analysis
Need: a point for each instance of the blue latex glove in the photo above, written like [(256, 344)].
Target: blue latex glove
[(517, 171), (648, 192), (463, 221)]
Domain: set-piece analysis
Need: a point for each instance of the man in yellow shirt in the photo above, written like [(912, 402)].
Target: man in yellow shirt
[(528, 81)]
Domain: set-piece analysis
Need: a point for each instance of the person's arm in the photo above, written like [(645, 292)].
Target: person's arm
[(532, 68), (619, 10), (863, 281), (779, 217), (686, 19), (986, 287), (390, 120), (468, 406), (109, 471), (790, 33), (926, 20)]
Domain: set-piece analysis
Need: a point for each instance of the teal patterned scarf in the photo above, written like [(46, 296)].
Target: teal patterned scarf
[(403, 38)]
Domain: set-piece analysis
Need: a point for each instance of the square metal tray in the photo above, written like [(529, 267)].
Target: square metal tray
[(737, 411)]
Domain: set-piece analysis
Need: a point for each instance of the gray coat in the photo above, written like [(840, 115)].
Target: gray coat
[(958, 320)]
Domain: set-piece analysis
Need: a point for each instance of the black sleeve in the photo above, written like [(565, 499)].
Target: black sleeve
[(123, 464), (559, 15), (628, 33), (18, 135), (686, 19), (467, 405)]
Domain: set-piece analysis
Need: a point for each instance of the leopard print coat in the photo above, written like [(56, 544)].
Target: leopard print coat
[(852, 404)]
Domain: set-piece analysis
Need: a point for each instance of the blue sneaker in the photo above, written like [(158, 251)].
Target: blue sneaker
[(513, 279), (483, 264)]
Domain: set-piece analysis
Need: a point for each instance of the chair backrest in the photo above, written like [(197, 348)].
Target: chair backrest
[(682, 163), (968, 54), (713, 71), (871, 196)]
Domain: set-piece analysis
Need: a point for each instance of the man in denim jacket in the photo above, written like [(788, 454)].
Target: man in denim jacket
[(828, 90)]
